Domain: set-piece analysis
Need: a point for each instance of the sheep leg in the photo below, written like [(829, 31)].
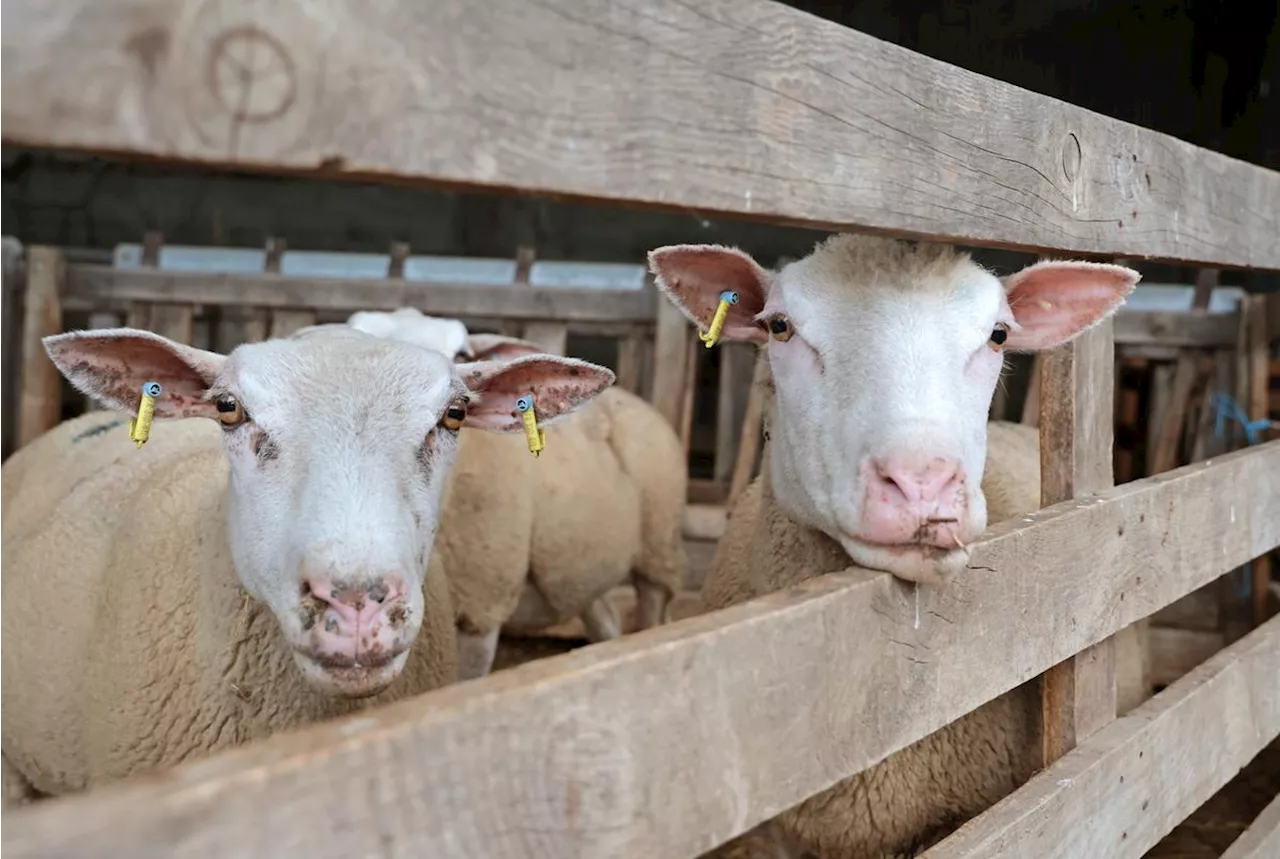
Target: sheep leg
[(601, 623), (476, 651), (17, 789), (652, 601)]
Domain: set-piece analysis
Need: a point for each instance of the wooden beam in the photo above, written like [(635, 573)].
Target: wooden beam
[(1257, 348), (1077, 404), (1031, 404), (11, 342), (554, 757), (1168, 443), (1130, 784), (94, 285), (844, 130), (285, 322), (551, 337), (671, 353), (40, 406), (1196, 328), (1262, 839)]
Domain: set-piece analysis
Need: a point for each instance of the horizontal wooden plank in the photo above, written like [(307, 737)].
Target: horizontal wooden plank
[(1196, 328), (1262, 839), (727, 107), (595, 754), (1125, 788), (89, 284)]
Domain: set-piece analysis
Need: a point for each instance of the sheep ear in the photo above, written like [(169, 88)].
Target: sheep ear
[(1054, 302), (692, 277), (112, 364), (558, 385)]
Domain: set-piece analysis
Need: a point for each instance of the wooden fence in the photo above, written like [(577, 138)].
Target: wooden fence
[(665, 743)]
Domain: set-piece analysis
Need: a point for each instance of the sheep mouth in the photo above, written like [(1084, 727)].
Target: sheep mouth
[(346, 677), (342, 662), (919, 562)]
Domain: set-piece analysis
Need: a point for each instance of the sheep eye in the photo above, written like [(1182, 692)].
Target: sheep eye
[(454, 416), (998, 336), (230, 412), (780, 328)]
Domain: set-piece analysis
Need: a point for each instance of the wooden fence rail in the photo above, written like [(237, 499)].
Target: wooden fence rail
[(839, 129), (94, 287), (1124, 788), (558, 757)]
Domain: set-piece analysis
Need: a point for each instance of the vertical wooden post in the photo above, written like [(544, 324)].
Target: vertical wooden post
[(15, 286), (1259, 406), (395, 267), (551, 337), (1031, 406), (671, 351), (284, 322), (1077, 396), (630, 354), (41, 400)]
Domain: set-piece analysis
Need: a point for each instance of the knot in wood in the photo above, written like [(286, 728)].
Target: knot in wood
[(1071, 156), (251, 75)]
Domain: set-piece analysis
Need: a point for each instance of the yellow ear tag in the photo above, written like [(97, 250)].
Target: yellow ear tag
[(537, 438), (140, 427), (727, 298)]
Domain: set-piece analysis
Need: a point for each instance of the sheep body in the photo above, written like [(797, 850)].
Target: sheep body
[(152, 652), (920, 794), (532, 543)]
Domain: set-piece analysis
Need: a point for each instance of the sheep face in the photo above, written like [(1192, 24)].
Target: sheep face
[(338, 445), (884, 357)]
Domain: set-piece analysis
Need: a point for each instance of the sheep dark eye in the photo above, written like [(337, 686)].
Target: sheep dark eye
[(780, 328), (230, 412), (998, 335), (454, 415)]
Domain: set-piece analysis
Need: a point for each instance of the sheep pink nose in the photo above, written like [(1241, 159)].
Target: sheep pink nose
[(357, 602), (913, 499)]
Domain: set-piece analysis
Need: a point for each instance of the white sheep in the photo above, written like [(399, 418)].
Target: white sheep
[(602, 505), (884, 357), (243, 574)]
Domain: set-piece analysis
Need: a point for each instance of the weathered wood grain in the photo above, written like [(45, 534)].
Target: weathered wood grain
[(671, 337), (1196, 328), (1122, 790), (40, 401), (594, 753), (93, 285), (1077, 425), (729, 107)]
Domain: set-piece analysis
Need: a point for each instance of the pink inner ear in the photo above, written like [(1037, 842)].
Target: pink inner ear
[(114, 365), (694, 276), (1053, 302), (559, 385)]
